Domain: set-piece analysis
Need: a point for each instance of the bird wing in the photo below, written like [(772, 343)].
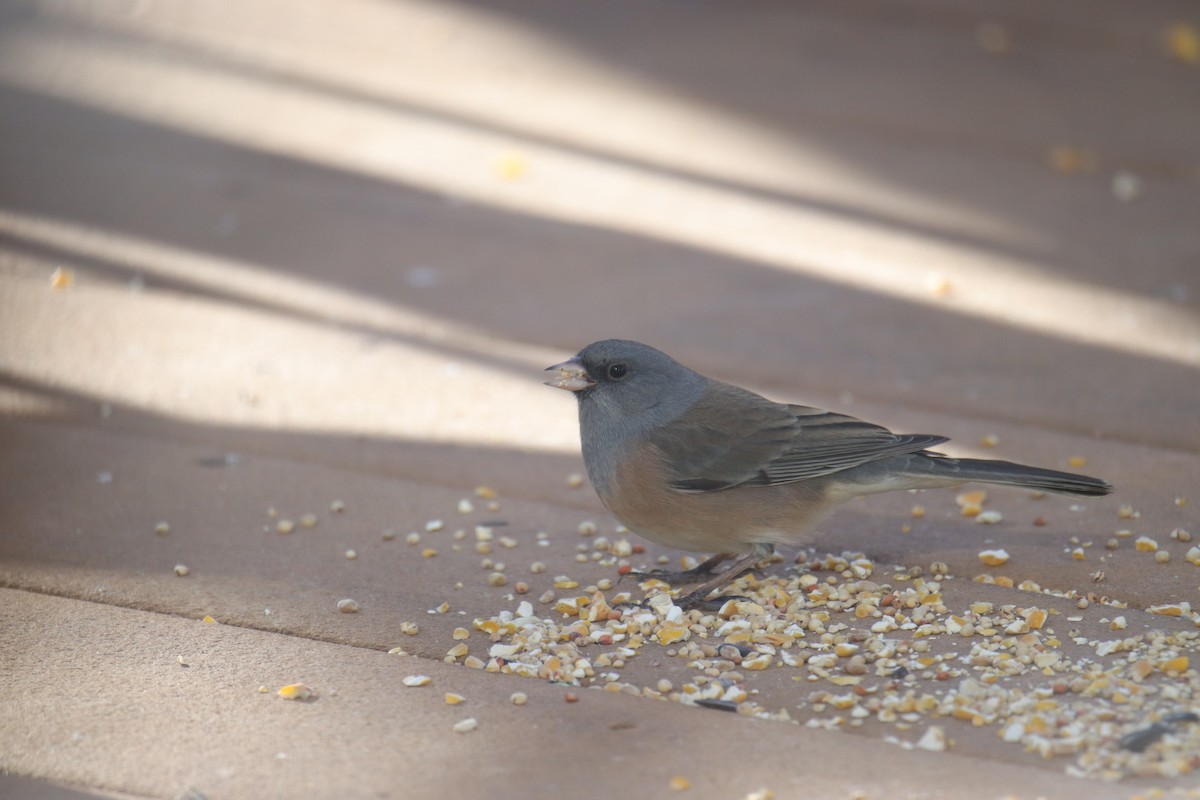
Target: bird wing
[(733, 437)]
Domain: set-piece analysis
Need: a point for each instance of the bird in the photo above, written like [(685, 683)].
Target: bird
[(697, 464)]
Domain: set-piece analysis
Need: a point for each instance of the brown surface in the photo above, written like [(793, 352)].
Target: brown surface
[(342, 243)]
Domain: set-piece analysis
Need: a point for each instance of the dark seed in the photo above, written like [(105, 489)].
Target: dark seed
[(719, 705), (1137, 741)]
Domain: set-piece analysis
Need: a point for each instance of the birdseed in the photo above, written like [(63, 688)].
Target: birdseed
[(295, 691), (1014, 675), (994, 558)]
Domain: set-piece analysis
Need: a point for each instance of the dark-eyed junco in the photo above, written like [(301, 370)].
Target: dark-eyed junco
[(697, 464)]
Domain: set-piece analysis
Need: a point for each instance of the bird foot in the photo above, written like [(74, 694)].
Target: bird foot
[(693, 600), (698, 574), (673, 577), (698, 600)]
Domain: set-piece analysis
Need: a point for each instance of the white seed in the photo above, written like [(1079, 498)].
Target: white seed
[(347, 606), (350, 554), (519, 698), (417, 680), (337, 506), (413, 538), (181, 570), (466, 725), (162, 528), (934, 739)]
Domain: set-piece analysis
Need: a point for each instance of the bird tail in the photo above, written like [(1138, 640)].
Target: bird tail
[(962, 470)]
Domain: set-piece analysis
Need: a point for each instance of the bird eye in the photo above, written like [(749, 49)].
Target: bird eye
[(617, 371)]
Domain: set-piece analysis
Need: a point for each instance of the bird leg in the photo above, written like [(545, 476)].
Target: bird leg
[(694, 575), (698, 597)]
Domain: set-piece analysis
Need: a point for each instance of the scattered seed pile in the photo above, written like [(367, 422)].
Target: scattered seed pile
[(872, 645), (888, 651)]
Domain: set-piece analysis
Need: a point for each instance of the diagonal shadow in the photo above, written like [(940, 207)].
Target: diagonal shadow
[(586, 283)]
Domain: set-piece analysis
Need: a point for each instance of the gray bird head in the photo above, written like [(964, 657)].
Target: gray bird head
[(628, 384)]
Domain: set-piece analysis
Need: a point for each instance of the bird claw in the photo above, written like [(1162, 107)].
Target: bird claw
[(700, 602), (672, 577), (697, 574)]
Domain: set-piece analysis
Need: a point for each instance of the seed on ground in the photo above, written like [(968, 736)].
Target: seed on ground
[(993, 558), (295, 691)]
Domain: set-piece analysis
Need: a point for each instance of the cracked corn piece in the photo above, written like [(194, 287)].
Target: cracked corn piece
[(295, 691), (993, 558)]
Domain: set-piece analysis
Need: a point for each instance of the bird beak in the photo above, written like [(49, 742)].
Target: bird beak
[(571, 376)]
